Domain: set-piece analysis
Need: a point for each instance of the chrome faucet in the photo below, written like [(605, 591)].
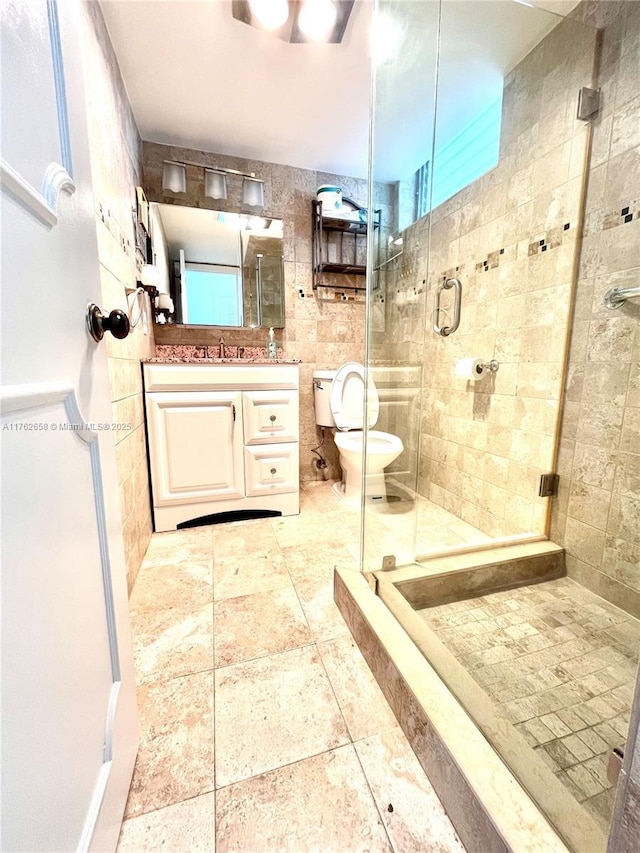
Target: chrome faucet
[(221, 348)]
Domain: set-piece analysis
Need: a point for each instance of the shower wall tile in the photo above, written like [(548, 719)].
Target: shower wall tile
[(511, 239), (604, 503)]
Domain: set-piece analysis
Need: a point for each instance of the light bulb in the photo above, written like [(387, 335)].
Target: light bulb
[(317, 18), (270, 13)]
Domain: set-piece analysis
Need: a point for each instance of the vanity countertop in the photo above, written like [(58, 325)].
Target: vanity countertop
[(192, 360), (187, 354)]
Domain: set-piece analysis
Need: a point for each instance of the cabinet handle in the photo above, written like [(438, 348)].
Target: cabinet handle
[(233, 407), (272, 418)]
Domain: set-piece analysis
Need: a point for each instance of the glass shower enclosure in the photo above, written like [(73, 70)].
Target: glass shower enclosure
[(480, 146)]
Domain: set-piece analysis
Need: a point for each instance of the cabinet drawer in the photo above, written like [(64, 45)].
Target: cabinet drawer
[(271, 469), (270, 416)]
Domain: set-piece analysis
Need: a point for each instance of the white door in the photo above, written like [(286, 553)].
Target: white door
[(69, 722)]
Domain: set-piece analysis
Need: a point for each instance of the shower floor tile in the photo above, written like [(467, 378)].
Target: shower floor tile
[(561, 663)]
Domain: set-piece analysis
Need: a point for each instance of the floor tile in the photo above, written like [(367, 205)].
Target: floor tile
[(244, 574), (179, 546), (321, 805), (253, 626), (312, 574), (169, 643), (414, 817), (187, 827), (297, 531), (572, 690), (245, 537), (363, 706), (175, 758), (273, 711), (164, 587)]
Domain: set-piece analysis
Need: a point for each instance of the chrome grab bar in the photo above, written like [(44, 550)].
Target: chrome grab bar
[(259, 287), (447, 285), (617, 296)]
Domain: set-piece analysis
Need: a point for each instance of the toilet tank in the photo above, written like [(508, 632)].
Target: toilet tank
[(322, 380)]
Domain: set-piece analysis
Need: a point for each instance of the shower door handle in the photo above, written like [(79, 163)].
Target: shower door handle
[(457, 305)]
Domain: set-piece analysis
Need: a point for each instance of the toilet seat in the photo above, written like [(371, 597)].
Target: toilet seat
[(347, 398)]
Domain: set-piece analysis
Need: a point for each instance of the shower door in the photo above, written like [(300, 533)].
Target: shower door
[(477, 143)]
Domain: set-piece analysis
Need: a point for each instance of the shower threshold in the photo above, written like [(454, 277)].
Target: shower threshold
[(499, 789)]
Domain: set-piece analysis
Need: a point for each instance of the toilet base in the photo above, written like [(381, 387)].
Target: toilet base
[(350, 491)]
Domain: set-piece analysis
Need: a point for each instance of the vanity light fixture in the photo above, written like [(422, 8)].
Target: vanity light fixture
[(215, 184), (174, 177), (306, 20), (253, 193)]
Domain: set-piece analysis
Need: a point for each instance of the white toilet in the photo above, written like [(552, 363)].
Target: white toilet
[(339, 403)]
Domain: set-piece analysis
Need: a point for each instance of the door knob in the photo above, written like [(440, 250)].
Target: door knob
[(97, 323)]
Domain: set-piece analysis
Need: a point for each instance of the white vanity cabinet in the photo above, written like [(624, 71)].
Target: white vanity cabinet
[(221, 439)]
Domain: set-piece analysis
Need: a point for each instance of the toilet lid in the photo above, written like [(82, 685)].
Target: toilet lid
[(347, 397)]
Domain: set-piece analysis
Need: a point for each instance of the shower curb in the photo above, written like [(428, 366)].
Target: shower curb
[(486, 804)]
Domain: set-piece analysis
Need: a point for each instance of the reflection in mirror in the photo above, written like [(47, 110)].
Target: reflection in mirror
[(221, 269)]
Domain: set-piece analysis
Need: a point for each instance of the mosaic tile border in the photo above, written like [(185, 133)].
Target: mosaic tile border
[(599, 220)]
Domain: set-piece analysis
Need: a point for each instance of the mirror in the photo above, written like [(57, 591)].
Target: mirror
[(221, 269)]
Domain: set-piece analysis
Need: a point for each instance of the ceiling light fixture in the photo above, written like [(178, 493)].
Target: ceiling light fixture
[(270, 13), (306, 20), (317, 18)]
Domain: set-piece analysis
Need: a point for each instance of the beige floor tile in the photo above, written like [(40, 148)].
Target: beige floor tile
[(169, 643), (187, 827), (321, 805), (244, 574), (413, 815), (252, 626), (243, 538), (363, 706), (175, 758), (179, 546), (185, 584), (302, 532), (273, 711), (311, 571)]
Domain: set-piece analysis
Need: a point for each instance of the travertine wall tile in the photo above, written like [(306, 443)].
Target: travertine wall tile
[(115, 163)]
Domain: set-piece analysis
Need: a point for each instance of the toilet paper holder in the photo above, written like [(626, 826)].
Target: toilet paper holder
[(473, 369)]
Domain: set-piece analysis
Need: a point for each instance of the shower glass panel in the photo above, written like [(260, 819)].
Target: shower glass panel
[(484, 222), (485, 190)]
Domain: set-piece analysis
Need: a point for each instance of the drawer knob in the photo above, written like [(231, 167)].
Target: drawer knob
[(272, 418), (273, 470)]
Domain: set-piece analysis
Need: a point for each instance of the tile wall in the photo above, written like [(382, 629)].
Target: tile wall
[(115, 165), (322, 329), (510, 237), (597, 514)]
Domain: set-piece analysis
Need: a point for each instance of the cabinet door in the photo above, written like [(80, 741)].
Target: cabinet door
[(270, 416), (271, 469), (195, 446)]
